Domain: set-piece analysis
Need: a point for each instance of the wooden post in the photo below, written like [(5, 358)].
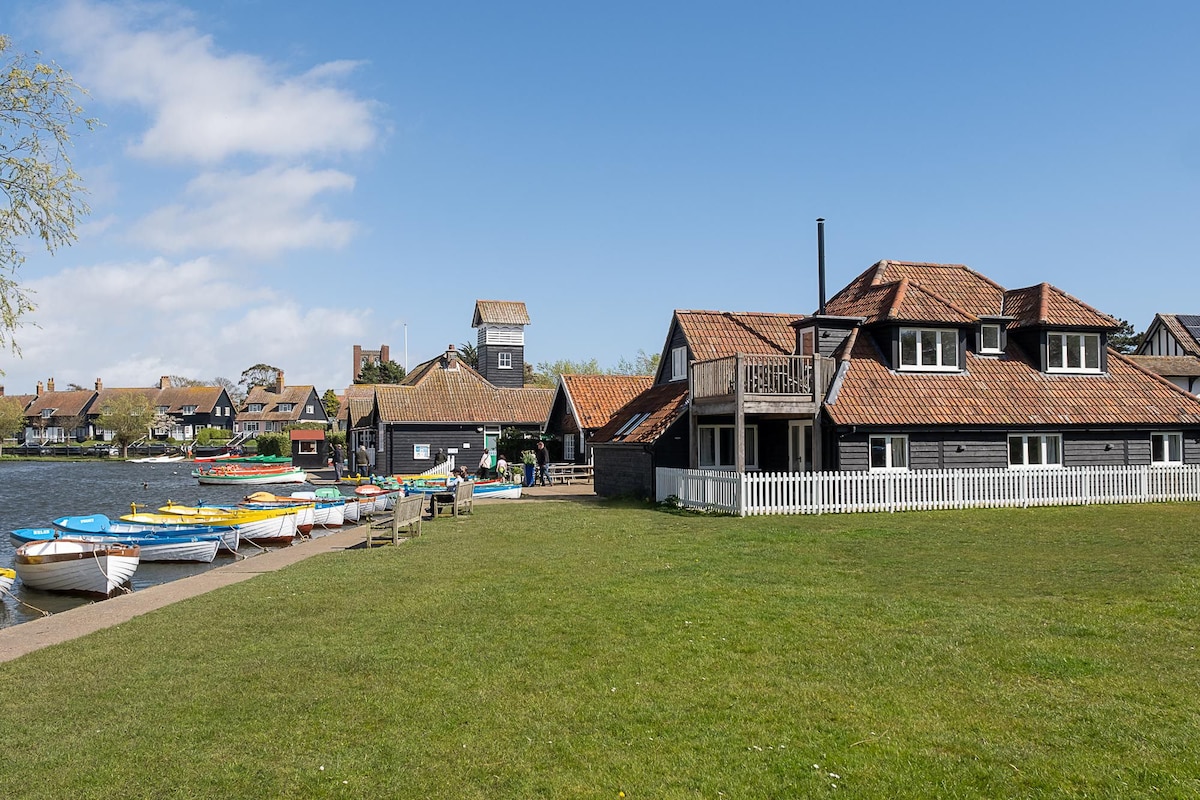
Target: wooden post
[(739, 416)]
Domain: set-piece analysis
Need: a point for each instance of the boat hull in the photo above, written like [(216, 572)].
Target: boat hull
[(238, 478), (70, 565), (153, 548), (7, 576)]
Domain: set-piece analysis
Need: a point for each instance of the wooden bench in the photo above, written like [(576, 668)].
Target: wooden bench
[(464, 497), (406, 514), (569, 473)]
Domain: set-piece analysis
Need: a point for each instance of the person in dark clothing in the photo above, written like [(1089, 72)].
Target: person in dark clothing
[(543, 463), (339, 456), (362, 461)]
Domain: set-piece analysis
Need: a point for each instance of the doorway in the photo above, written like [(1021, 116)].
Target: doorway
[(800, 445)]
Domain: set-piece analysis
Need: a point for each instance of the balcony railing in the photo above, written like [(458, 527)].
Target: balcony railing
[(759, 375)]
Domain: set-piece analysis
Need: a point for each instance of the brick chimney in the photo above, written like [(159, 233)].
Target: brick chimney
[(164, 382), (451, 357), (99, 385), (358, 365), (279, 380), (40, 389), (49, 384), (385, 354)]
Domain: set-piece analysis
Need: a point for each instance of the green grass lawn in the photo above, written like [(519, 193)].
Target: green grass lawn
[(559, 650)]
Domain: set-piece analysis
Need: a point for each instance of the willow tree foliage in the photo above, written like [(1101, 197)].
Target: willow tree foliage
[(41, 195)]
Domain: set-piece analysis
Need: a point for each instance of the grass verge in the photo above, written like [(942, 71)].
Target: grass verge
[(559, 650)]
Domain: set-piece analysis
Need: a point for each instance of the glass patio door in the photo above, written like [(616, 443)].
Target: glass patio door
[(800, 445)]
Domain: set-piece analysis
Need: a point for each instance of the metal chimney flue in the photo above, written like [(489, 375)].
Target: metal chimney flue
[(821, 265)]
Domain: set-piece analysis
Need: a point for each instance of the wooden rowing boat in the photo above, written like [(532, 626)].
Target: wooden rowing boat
[(73, 565)]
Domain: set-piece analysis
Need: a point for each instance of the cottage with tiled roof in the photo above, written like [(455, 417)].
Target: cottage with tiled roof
[(910, 366), (269, 409), (55, 416), (1170, 347), (583, 404), (656, 429), (444, 406)]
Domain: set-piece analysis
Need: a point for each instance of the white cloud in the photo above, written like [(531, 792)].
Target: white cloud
[(206, 105), (129, 324), (260, 214)]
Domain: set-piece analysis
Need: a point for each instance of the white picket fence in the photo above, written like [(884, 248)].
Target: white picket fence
[(923, 490)]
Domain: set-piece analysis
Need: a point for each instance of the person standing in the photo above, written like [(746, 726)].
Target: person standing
[(485, 461), (502, 468), (543, 463), (339, 456), (362, 461)]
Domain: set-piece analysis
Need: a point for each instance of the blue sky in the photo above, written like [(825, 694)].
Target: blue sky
[(278, 181)]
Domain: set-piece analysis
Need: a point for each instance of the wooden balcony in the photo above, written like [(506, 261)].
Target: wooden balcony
[(760, 384)]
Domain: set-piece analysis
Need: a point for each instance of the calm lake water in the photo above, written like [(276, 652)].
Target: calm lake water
[(34, 493)]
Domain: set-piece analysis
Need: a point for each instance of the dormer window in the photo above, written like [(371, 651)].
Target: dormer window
[(929, 349), (287, 408), (679, 363), (188, 410), (254, 408), (47, 413), (1073, 352), (990, 341)]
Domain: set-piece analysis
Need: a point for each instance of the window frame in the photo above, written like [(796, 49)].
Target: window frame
[(719, 462), (421, 452), (983, 347), (1042, 452), (679, 363), (1064, 353), (1168, 438), (504, 360), (939, 350), (889, 448)]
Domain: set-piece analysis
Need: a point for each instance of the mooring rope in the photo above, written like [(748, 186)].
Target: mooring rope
[(41, 611)]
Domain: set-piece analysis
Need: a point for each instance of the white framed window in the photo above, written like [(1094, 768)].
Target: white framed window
[(717, 449), (188, 410), (1166, 448), (308, 409), (421, 452), (928, 348), (307, 447), (679, 363), (888, 451), (569, 447), (1035, 450), (250, 427), (1073, 352), (989, 338), (287, 408), (504, 360), (254, 408)]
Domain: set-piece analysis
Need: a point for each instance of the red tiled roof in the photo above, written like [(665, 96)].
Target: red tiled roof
[(270, 400), (903, 301), (1046, 305), (714, 334), (499, 312), (662, 404), (1005, 392), (440, 392), (595, 398), (956, 285), (1188, 366), (65, 404), (204, 398)]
